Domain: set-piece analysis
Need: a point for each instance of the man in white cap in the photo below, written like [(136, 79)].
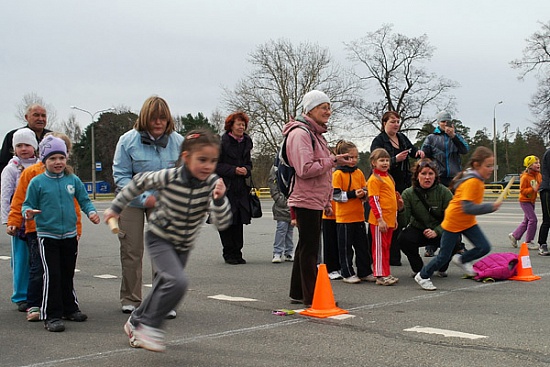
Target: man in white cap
[(444, 146)]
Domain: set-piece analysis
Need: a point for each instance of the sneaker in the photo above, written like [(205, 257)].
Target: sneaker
[(389, 280), (429, 252), (33, 314), (128, 308), (352, 280), (395, 279), (76, 316), (289, 258), (171, 315), (277, 259), (532, 246), (335, 275), (54, 325), (129, 329), (148, 337), (466, 267), (426, 284), (543, 250), (21, 306), (513, 240), (369, 278), (295, 301), (442, 274)]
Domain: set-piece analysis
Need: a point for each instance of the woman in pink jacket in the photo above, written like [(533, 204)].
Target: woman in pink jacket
[(308, 153)]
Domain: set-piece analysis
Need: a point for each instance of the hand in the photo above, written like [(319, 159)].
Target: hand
[(420, 154), (450, 130), (219, 189), (360, 193), (11, 230), (328, 211), (342, 159), (382, 225), (94, 218), (400, 202), (241, 171), (496, 205), (150, 201), (30, 213), (108, 214), (293, 222), (429, 233), (402, 156)]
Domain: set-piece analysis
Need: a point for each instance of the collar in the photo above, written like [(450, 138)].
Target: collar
[(347, 169), (234, 137), (146, 139), (379, 173)]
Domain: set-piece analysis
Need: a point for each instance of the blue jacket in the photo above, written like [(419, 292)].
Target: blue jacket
[(54, 195), (439, 147), (136, 152)]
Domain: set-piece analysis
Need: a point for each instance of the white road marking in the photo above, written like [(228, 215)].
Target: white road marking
[(223, 297), (445, 333), (105, 276), (5, 257)]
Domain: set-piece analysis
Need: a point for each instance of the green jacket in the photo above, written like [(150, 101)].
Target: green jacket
[(414, 212)]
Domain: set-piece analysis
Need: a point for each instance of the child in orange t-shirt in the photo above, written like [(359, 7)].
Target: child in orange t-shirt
[(384, 202), (528, 188), (460, 218), (349, 195)]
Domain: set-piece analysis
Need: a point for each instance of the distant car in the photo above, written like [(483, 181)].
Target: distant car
[(504, 182)]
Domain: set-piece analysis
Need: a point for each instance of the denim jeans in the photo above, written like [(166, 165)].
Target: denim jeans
[(448, 242), (283, 244)]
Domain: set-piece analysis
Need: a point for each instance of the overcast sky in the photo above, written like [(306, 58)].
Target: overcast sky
[(100, 54)]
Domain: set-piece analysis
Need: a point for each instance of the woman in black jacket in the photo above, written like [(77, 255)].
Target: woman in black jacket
[(235, 166)]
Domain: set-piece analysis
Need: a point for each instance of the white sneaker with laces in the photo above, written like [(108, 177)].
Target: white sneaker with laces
[(466, 267), (426, 284), (129, 330), (334, 275), (289, 258), (352, 280), (149, 338), (532, 246), (277, 259), (128, 308), (171, 315), (513, 240)]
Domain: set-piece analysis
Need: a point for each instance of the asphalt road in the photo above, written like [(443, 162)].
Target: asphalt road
[(499, 324)]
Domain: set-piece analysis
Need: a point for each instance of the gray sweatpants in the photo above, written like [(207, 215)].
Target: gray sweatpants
[(169, 284)]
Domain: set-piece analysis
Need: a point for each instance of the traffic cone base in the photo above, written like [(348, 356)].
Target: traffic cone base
[(525, 272), (323, 299)]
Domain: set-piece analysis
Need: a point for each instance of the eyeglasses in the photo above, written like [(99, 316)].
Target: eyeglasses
[(429, 164)]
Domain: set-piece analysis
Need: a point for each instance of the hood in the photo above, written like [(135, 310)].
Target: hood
[(304, 120)]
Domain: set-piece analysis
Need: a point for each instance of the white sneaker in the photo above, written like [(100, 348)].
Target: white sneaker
[(532, 246), (513, 240), (426, 284), (171, 315), (543, 251), (466, 267), (352, 280), (129, 330), (334, 275), (149, 338), (289, 258), (277, 259), (128, 308)]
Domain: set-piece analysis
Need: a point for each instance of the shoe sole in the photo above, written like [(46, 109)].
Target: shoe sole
[(131, 336)]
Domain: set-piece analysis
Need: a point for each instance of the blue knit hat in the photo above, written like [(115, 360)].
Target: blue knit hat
[(51, 145)]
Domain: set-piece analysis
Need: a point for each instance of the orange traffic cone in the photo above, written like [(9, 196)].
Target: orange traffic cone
[(323, 298), (525, 272)]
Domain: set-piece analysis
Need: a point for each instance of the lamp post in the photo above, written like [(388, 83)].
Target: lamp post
[(92, 115), (495, 172)]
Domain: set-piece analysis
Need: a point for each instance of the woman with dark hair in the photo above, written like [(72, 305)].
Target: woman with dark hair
[(235, 166), (425, 204), (400, 149), (152, 145)]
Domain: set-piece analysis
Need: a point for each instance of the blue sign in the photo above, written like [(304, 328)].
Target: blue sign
[(98, 166)]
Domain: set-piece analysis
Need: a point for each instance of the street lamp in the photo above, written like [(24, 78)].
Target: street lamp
[(495, 139), (92, 115)]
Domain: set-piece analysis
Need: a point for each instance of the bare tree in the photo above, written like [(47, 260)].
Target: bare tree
[(34, 98), (69, 127), (272, 92), (395, 78), (536, 59)]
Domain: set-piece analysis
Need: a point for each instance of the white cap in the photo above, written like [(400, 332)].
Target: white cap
[(313, 99), (24, 136)]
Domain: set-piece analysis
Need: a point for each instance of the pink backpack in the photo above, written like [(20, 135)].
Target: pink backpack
[(496, 266)]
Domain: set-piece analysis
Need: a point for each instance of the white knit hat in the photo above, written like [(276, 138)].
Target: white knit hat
[(24, 136), (443, 116), (313, 99)]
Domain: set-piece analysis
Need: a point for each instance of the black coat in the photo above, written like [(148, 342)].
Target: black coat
[(236, 154)]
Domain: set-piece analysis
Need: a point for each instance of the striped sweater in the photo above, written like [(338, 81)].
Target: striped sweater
[(182, 203)]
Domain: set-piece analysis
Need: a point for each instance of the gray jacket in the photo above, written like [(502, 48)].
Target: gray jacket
[(280, 208)]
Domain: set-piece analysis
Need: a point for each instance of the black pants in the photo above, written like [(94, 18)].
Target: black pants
[(36, 271), (353, 236), (59, 261), (330, 245), (545, 225), (232, 241), (304, 268)]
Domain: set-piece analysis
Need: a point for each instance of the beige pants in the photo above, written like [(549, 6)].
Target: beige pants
[(130, 236)]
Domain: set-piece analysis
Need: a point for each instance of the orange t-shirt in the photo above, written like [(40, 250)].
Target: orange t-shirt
[(384, 188), (351, 211), (527, 193), (455, 219)]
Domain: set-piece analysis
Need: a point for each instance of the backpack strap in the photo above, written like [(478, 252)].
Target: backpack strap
[(425, 203)]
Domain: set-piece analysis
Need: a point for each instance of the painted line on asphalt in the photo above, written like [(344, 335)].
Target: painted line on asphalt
[(223, 334), (446, 333)]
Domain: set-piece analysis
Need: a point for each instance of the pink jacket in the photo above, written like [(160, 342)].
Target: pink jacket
[(313, 165)]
